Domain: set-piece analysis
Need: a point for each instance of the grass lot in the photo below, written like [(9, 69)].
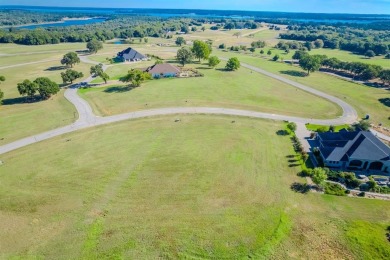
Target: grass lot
[(19, 119), (366, 100), (241, 89), (176, 190)]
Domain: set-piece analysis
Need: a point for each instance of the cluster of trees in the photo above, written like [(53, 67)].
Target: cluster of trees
[(18, 17), (258, 44), (304, 46), (234, 24), (344, 38), (98, 71), (357, 70), (42, 85), (136, 77), (115, 27), (298, 147)]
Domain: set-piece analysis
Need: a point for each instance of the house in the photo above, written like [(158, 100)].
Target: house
[(356, 151), (164, 70), (131, 55)]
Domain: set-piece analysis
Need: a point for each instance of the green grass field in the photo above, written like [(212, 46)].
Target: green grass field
[(366, 100), (19, 119), (153, 188), (241, 89)]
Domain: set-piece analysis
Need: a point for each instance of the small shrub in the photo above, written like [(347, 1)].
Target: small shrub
[(334, 189)]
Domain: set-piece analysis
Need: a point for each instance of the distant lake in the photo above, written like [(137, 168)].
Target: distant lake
[(64, 23)]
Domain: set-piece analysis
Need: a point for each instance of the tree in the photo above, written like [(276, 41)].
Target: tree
[(371, 184), (292, 126), (222, 46), (276, 57), (158, 61), (319, 43), (201, 50), (385, 76), (261, 51), (319, 176), (299, 55), (214, 61), (269, 52), (146, 40), (71, 75), (180, 41), (203, 28), (70, 59), (27, 88), (233, 64), (94, 46), (1, 96), (363, 125), (310, 63), (136, 77), (97, 71), (237, 34), (184, 55), (387, 56), (369, 54), (193, 29), (46, 87)]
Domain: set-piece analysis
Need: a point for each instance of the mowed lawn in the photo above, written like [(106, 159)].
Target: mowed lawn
[(242, 89), (152, 188), (366, 100), (19, 119)]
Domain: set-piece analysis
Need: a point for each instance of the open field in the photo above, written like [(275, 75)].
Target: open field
[(241, 89), (19, 119), (366, 100), (347, 56), (176, 190)]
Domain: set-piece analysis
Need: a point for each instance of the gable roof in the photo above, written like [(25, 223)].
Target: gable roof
[(163, 69), (131, 54), (359, 145)]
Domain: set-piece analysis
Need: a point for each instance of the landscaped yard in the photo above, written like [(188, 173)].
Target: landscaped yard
[(366, 100), (153, 188), (242, 89)]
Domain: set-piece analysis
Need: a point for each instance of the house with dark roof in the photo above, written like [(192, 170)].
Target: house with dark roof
[(356, 151), (131, 55), (164, 70)]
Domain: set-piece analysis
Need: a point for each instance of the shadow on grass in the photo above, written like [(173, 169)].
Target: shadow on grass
[(385, 101), (294, 73), (294, 165), (55, 68), (300, 187), (20, 100), (118, 89), (282, 132)]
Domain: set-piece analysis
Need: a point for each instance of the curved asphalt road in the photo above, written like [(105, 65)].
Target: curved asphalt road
[(88, 119)]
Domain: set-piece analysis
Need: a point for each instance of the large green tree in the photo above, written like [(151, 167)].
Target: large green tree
[(27, 88), (319, 176), (70, 59), (214, 61), (46, 87), (233, 64), (184, 55), (201, 50), (97, 71), (94, 46), (180, 41), (70, 76), (136, 77), (385, 76), (310, 63)]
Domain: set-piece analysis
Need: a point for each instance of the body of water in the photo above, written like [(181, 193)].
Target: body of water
[(64, 23)]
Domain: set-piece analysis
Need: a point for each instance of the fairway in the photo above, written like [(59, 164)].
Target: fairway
[(241, 89), (153, 188), (366, 100)]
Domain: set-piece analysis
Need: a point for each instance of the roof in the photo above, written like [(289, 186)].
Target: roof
[(131, 54), (359, 145), (163, 69)]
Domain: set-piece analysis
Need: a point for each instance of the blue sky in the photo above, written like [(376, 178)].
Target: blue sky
[(318, 6)]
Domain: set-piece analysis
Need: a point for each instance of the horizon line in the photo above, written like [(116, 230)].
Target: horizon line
[(148, 8)]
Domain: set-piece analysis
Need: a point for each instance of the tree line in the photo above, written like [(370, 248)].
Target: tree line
[(344, 38)]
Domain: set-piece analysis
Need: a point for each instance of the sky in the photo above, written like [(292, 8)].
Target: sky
[(311, 6)]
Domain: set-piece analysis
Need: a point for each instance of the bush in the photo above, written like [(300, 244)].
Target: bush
[(334, 189)]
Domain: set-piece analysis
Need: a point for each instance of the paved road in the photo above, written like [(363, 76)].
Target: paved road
[(88, 119)]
